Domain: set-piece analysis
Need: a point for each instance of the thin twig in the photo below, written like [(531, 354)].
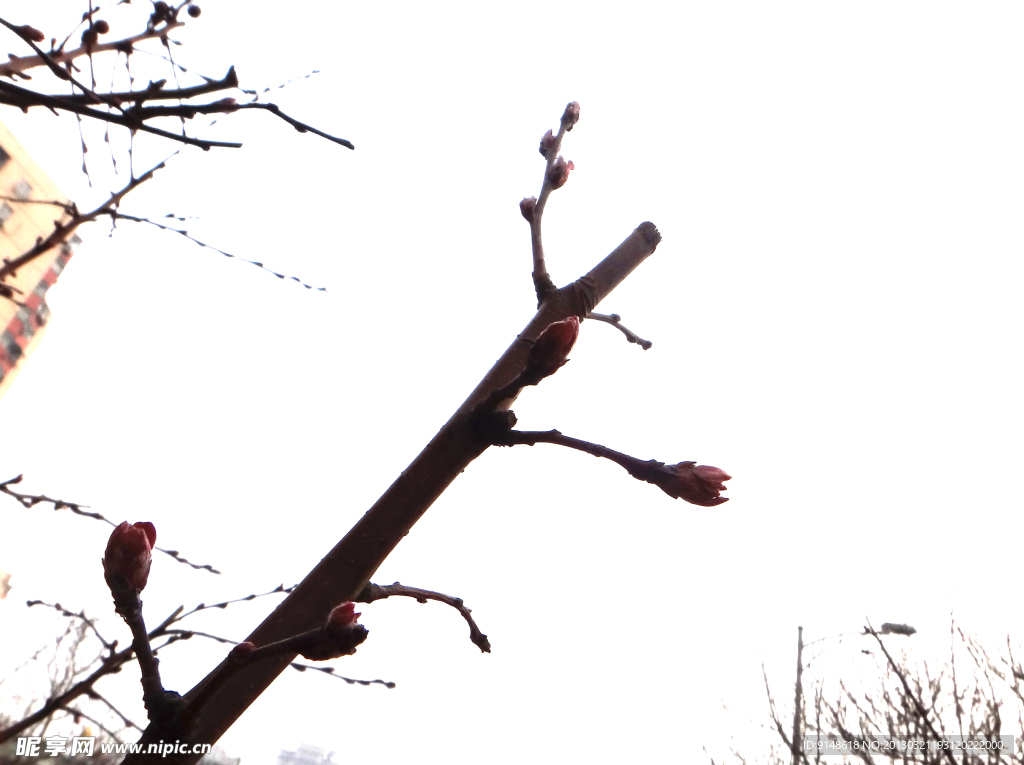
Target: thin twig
[(616, 321), (374, 592), (31, 500)]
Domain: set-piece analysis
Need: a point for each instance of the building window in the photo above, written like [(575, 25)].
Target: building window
[(4, 157), (21, 190), (5, 213)]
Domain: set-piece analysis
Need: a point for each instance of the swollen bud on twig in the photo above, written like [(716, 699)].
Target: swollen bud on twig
[(229, 104), (571, 115), (551, 350), (101, 26), (697, 484), (30, 33), (546, 142), (339, 636), (559, 173), (528, 207), (194, 11), (241, 652), (129, 554)]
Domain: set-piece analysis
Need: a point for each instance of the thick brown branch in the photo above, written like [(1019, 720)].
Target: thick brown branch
[(346, 569)]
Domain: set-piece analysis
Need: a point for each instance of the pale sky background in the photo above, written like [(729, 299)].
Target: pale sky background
[(834, 308)]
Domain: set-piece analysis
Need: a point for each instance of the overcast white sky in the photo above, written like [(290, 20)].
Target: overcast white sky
[(834, 308)]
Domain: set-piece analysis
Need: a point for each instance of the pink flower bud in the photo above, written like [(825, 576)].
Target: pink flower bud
[(571, 115), (559, 173), (552, 348), (528, 207), (129, 553), (697, 484), (30, 33), (342, 617), (546, 143)]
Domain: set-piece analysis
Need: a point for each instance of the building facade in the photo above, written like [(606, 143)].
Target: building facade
[(27, 213)]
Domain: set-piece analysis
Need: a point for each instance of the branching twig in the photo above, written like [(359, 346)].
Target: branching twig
[(31, 500), (111, 665), (20, 64), (108, 645), (533, 208), (909, 693), (62, 231), (14, 95), (372, 592)]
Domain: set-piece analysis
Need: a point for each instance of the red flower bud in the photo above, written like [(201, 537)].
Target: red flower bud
[(546, 143), (130, 553), (341, 617), (528, 207), (552, 348), (559, 173), (242, 651), (697, 484), (30, 33), (194, 11), (571, 115)]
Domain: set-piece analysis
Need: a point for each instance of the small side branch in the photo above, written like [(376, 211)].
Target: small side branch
[(556, 172), (616, 321), (697, 484), (372, 592)]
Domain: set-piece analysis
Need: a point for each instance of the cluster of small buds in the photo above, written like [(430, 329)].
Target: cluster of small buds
[(91, 35), (129, 554), (551, 350), (559, 172)]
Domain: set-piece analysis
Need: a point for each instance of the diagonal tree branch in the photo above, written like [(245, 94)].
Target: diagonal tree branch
[(346, 569)]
